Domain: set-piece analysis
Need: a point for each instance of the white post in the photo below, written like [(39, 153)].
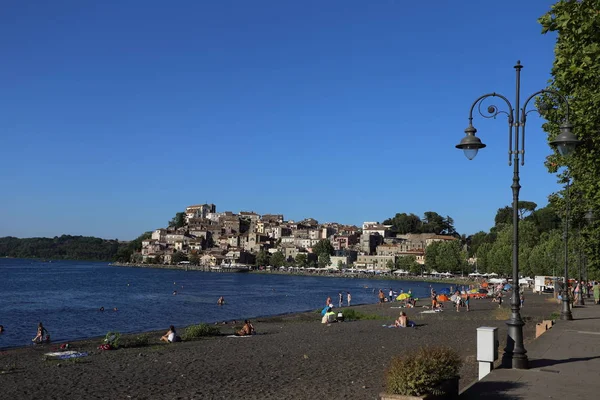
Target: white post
[(487, 349)]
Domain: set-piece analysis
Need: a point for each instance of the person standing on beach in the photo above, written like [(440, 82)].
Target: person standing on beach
[(391, 295), (328, 302), (381, 296), (340, 298), (349, 298)]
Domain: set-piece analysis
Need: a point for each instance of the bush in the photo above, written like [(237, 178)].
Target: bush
[(137, 341), (353, 315), (422, 371), (113, 338), (200, 330)]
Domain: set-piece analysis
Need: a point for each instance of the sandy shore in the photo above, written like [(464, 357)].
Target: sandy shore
[(292, 357)]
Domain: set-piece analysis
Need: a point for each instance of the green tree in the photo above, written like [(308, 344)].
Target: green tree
[(389, 264), (576, 75), (340, 265), (301, 260), (177, 221), (194, 259), (262, 258), (324, 260), (178, 257), (277, 259), (323, 246), (403, 223), (433, 223)]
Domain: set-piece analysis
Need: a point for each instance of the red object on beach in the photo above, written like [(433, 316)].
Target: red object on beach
[(105, 347)]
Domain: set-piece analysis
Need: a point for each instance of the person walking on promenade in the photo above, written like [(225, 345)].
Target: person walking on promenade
[(467, 301), (457, 300), (499, 298), (577, 292), (341, 298), (596, 291), (381, 296), (349, 298)]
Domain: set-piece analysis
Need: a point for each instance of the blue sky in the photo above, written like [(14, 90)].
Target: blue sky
[(114, 115)]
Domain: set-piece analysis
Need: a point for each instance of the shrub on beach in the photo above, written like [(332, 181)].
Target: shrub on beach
[(137, 341), (353, 315), (200, 330), (423, 371), (113, 338)]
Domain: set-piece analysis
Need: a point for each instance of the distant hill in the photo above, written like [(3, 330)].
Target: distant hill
[(67, 247)]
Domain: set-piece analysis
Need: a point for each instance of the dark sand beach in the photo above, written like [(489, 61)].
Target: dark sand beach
[(292, 357)]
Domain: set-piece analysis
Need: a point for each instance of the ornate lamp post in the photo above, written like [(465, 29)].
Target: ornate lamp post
[(515, 355)]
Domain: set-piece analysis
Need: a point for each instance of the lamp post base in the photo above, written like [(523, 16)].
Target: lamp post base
[(515, 355), (565, 312)]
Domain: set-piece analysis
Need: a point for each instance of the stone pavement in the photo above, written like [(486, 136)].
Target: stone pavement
[(564, 363)]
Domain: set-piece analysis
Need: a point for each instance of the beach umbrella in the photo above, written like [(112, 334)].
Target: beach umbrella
[(444, 291), (403, 296), (507, 286)]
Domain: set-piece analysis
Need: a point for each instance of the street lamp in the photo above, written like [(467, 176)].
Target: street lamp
[(514, 353)]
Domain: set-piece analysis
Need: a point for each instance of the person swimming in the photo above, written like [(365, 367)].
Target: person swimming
[(101, 308)]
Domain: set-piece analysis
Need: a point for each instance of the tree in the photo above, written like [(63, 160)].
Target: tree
[(433, 223), (262, 258), (576, 75), (178, 257), (404, 223), (323, 246), (390, 265), (194, 259), (301, 260), (340, 264), (177, 221), (324, 260), (277, 259), (504, 216)]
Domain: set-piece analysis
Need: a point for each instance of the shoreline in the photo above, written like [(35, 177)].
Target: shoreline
[(287, 359), (198, 268)]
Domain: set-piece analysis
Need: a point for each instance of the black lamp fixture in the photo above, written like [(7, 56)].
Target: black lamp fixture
[(515, 355)]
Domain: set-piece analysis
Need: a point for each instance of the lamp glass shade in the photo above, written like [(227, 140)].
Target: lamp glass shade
[(470, 152), (564, 149)]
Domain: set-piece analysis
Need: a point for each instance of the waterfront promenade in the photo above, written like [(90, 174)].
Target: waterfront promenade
[(564, 363)]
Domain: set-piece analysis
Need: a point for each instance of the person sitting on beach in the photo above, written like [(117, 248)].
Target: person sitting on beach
[(221, 301), (170, 336), (42, 335), (403, 322), (247, 329)]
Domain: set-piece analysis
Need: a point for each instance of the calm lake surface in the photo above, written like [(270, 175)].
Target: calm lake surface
[(67, 295)]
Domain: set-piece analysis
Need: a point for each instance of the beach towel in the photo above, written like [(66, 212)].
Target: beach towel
[(430, 311), (59, 353), (240, 336), (75, 355), (388, 326)]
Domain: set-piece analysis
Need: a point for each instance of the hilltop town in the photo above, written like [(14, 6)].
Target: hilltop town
[(203, 236)]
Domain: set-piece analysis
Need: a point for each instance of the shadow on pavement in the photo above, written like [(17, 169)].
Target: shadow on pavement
[(491, 390), (543, 362)]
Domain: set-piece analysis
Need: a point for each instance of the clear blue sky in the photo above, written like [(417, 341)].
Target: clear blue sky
[(115, 115)]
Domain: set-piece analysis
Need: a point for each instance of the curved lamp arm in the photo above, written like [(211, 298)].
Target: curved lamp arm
[(510, 118), (524, 114)]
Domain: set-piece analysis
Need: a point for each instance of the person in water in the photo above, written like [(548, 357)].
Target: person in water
[(42, 335), (101, 308), (247, 329), (170, 336), (1, 328), (221, 301)]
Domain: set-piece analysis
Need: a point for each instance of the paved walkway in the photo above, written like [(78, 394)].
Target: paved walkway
[(564, 364)]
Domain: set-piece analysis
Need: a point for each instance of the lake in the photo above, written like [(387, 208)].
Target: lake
[(67, 295)]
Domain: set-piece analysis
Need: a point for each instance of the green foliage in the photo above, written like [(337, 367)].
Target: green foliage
[(262, 258), (351, 314), (301, 260), (137, 341), (408, 263), (432, 222), (178, 221), (323, 246), (421, 372), (178, 257), (113, 338), (277, 259), (576, 75), (66, 247), (194, 259), (324, 260), (200, 330), (446, 256)]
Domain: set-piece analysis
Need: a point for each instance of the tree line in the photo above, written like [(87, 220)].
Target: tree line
[(67, 247)]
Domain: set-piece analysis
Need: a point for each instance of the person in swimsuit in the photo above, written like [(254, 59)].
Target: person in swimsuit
[(248, 329), (42, 334)]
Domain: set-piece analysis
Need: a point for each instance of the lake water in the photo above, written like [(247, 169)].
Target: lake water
[(67, 295)]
